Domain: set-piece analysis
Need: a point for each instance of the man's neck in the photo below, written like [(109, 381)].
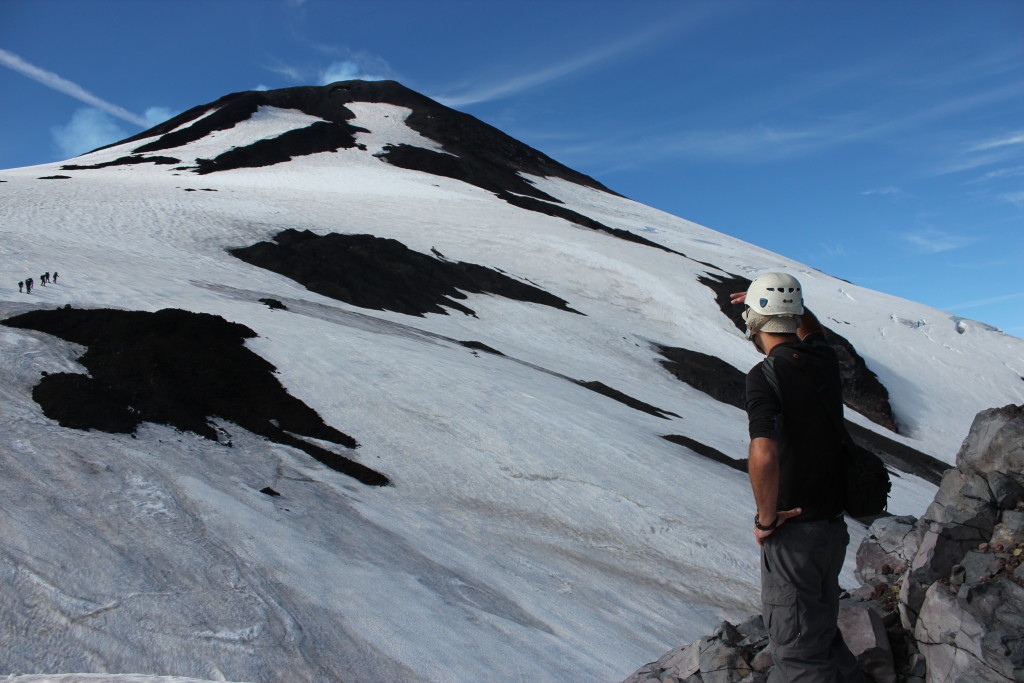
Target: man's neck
[(769, 341)]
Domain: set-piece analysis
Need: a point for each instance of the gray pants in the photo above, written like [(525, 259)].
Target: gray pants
[(800, 565)]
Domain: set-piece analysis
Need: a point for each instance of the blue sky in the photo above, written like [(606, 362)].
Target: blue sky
[(881, 142)]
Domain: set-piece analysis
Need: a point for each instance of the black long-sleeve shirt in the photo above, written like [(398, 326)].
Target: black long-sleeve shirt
[(810, 448)]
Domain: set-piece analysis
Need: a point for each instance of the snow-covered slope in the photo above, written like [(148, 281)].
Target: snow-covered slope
[(536, 525)]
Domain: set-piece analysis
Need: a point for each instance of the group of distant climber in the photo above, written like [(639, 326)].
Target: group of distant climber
[(44, 279)]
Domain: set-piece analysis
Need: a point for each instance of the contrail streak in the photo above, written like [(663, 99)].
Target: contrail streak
[(52, 80)]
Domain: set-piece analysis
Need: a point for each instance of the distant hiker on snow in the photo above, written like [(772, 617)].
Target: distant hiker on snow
[(21, 285), (28, 286), (795, 466), (55, 276)]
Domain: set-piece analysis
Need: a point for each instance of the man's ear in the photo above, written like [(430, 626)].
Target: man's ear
[(756, 339)]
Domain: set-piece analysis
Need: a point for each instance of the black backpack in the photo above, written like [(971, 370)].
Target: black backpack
[(866, 482)]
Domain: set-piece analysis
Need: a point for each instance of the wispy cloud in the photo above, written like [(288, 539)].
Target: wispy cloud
[(888, 190), (349, 70), (349, 66), (932, 241), (985, 153), (1014, 198), (1011, 139), (291, 73), (985, 302), (521, 82), (52, 80), (751, 144), (830, 251), (998, 174), (762, 142), (88, 129)]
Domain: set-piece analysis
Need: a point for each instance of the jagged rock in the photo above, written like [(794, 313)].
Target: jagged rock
[(964, 498), (685, 662), (942, 548), (975, 636), (754, 636), (679, 664), (762, 661), (995, 443), (976, 566), (727, 633), (1006, 492), (1010, 528), (726, 656), (721, 662), (888, 548), (865, 635)]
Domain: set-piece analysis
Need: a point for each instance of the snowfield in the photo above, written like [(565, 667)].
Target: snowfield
[(534, 530)]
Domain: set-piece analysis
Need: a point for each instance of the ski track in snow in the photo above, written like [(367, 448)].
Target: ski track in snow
[(535, 530)]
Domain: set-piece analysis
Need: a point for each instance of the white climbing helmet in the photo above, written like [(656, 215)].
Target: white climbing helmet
[(774, 303), (775, 294)]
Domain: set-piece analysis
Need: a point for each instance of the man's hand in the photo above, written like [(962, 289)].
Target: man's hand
[(738, 297), (781, 516)]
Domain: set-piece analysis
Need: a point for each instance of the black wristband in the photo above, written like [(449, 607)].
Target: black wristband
[(770, 527)]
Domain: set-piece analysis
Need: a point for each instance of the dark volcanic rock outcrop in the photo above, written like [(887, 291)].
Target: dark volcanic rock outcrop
[(862, 390), (626, 399), (124, 161), (180, 369), (710, 374), (383, 274), (699, 448)]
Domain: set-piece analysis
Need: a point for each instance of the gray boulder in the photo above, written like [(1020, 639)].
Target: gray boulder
[(977, 635), (964, 498), (943, 547), (729, 655), (887, 550), (995, 443), (867, 639), (1006, 492), (1010, 528)]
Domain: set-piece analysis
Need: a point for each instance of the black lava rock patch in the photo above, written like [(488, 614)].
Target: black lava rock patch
[(706, 373), (383, 274), (626, 399), (739, 464), (124, 161), (321, 136), (179, 369)]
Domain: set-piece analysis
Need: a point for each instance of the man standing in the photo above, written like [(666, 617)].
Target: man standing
[(796, 475)]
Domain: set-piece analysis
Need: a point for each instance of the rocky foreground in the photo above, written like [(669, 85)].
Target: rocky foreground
[(941, 597)]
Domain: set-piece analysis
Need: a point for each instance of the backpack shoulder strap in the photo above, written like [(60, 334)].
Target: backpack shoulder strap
[(768, 368)]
